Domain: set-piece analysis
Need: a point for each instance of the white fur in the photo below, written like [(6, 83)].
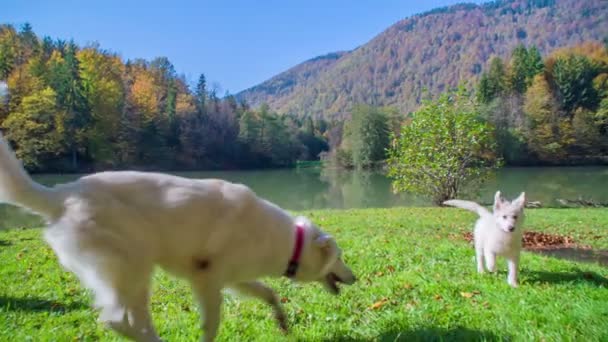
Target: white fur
[(112, 228), (497, 233)]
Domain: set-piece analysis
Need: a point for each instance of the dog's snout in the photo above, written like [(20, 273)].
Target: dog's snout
[(511, 229), (350, 280)]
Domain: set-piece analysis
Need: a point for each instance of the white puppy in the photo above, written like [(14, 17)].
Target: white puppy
[(112, 228), (498, 233)]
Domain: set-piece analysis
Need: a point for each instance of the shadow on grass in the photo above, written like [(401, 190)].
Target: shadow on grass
[(4, 243), (36, 304), (575, 254), (429, 334), (567, 277)]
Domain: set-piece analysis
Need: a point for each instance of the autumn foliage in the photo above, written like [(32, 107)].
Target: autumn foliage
[(72, 108)]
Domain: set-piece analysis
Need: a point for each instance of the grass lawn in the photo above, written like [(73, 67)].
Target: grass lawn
[(417, 282)]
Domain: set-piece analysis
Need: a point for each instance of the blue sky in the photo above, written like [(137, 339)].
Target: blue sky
[(237, 44)]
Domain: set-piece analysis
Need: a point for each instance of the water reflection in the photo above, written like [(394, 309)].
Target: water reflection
[(315, 188)]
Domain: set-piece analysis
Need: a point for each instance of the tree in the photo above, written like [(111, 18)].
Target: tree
[(549, 132), (494, 82), (103, 90), (534, 64), (443, 149), (249, 128), (200, 94), (519, 70), (8, 50), (572, 77), (64, 77), (368, 134), (35, 129)]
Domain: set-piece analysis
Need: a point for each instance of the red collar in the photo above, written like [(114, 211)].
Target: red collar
[(294, 262)]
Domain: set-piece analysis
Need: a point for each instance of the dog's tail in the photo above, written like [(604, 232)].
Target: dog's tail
[(468, 205), (17, 187)]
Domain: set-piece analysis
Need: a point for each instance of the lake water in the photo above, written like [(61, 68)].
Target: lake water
[(315, 188)]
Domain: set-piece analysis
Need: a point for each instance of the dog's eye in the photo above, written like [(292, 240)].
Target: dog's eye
[(515, 217), (504, 217)]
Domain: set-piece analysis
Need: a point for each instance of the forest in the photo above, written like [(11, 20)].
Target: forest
[(430, 52), (551, 111), (79, 109)]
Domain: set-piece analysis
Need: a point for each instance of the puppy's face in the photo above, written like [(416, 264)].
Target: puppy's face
[(509, 215), (323, 262)]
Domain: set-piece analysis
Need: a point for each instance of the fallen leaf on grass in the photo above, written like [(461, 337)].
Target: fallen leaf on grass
[(284, 300), (391, 268), (469, 294), (438, 297), (377, 305), (408, 286)]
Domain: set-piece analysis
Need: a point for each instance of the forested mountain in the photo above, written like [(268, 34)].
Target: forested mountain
[(432, 51)]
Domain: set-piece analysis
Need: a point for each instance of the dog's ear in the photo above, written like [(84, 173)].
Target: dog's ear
[(327, 244), (303, 221), (520, 201), (498, 201), (329, 250)]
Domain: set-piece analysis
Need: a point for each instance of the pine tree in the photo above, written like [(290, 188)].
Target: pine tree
[(534, 64), (573, 78), (201, 94), (494, 82), (519, 70)]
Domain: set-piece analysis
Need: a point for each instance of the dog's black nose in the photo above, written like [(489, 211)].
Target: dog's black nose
[(511, 229)]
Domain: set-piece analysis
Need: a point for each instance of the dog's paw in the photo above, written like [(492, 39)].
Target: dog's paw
[(513, 284), (282, 321)]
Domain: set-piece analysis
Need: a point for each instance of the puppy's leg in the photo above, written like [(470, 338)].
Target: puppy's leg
[(265, 293), (210, 301), (479, 256), (490, 260), (513, 264)]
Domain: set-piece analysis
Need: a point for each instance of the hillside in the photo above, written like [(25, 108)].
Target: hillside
[(434, 50)]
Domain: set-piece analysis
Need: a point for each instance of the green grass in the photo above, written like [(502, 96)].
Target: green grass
[(411, 263)]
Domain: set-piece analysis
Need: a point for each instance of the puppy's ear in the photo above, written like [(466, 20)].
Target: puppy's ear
[(520, 201), (498, 201)]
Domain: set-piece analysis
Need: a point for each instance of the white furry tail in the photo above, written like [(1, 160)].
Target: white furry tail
[(17, 187), (468, 205)]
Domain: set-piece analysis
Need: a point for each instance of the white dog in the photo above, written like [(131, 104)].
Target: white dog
[(498, 233), (112, 228)]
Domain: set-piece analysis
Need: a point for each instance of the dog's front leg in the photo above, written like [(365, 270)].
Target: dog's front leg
[(490, 260), (265, 293), (479, 257), (513, 264), (210, 301)]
